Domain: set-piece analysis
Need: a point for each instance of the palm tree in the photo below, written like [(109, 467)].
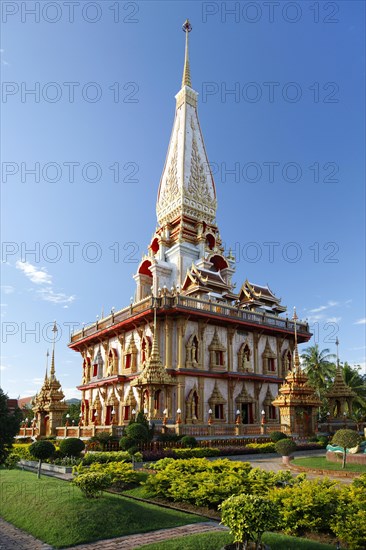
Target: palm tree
[(357, 382), (319, 367)]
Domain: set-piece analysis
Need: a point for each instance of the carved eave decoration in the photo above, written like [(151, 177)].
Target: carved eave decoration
[(216, 397), (216, 344), (267, 352), (244, 396)]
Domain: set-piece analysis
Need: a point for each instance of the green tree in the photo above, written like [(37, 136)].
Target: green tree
[(319, 367), (357, 382), (74, 412), (41, 449), (9, 426), (346, 439)]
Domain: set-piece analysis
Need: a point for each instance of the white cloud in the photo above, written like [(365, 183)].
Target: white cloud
[(42, 278), (49, 295), (331, 303), (3, 367), (360, 321), (37, 276), (7, 289), (37, 381)]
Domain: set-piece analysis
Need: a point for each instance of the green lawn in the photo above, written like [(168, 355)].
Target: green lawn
[(321, 463), (215, 541), (56, 512)]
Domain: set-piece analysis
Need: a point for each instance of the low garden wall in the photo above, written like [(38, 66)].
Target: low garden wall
[(357, 458), (46, 467)]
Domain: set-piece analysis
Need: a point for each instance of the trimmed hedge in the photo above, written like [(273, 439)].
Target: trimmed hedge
[(72, 446), (105, 457)]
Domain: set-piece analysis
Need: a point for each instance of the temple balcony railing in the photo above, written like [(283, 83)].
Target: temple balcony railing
[(211, 307)]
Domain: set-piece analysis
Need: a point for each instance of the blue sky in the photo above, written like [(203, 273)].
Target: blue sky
[(287, 146)]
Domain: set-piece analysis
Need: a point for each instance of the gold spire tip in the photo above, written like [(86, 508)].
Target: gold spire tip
[(186, 80)]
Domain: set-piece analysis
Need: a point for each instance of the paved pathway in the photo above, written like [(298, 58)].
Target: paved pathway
[(135, 541), (12, 538)]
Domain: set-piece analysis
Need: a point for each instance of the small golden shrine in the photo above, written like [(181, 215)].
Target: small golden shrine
[(340, 396), (49, 404), (297, 400)]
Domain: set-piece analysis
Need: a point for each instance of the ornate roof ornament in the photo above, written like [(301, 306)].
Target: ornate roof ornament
[(186, 80)]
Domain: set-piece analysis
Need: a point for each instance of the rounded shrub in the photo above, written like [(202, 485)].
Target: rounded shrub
[(42, 449), (126, 443), (71, 446), (189, 441), (285, 447), (277, 436), (137, 431)]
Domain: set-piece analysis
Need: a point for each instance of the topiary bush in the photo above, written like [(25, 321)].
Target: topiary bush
[(41, 450), (189, 441), (72, 446), (285, 447), (248, 517), (277, 436), (126, 443), (138, 432)]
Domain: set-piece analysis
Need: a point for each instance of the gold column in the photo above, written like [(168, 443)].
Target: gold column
[(180, 338), (181, 400), (230, 336), (279, 365), (256, 339), (168, 343)]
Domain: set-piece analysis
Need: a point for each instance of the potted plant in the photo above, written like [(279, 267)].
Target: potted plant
[(285, 447)]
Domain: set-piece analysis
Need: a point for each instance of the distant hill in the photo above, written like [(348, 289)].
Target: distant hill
[(73, 401)]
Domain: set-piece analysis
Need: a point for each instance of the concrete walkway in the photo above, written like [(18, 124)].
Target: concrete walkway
[(12, 538), (135, 541)]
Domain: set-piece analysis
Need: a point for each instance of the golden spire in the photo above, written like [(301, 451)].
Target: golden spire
[(52, 371), (296, 351), (186, 80), (337, 344), (46, 374)]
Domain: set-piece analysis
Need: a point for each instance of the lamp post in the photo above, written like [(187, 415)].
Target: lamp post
[(209, 417), (134, 414), (263, 422), (179, 420), (113, 415), (80, 419), (237, 419), (95, 417), (165, 413), (67, 423)]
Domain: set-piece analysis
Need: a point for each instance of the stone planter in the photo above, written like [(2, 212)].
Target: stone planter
[(286, 460), (33, 464)]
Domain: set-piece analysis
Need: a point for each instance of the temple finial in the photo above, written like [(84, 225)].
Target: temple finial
[(52, 371), (46, 375), (337, 344), (296, 351), (186, 80)]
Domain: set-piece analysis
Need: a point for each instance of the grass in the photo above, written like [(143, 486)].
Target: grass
[(216, 540), (55, 511), (321, 463)]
